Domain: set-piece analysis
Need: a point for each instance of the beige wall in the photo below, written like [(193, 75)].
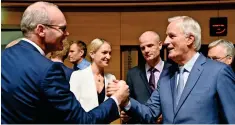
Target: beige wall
[(124, 28)]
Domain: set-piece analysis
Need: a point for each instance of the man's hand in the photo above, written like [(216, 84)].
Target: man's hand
[(112, 88), (124, 117), (121, 94)]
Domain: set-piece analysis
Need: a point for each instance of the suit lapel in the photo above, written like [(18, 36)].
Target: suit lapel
[(143, 76), (173, 77), (192, 80)]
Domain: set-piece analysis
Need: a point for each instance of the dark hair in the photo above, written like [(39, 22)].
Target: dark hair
[(82, 45)]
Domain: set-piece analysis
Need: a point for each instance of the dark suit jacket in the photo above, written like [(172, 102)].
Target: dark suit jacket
[(138, 83), (67, 72), (139, 86), (209, 91), (34, 90)]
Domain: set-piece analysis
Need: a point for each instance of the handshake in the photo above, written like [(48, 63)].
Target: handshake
[(120, 90)]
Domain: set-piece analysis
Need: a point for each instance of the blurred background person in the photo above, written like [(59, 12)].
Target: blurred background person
[(12, 43), (221, 50), (88, 85), (77, 54), (60, 56)]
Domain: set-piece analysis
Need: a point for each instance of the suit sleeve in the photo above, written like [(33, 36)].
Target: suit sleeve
[(130, 84), (149, 112), (226, 93), (57, 92)]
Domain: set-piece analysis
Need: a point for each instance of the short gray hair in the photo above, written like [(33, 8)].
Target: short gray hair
[(189, 26), (226, 44), (35, 14)]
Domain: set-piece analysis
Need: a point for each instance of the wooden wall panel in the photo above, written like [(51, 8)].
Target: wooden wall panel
[(115, 64), (231, 24), (90, 25), (11, 17), (135, 23), (124, 27)]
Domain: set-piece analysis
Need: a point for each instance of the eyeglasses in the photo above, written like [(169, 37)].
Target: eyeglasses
[(62, 28), (218, 58)]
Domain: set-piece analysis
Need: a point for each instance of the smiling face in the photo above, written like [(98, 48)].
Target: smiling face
[(55, 32), (179, 45), (102, 56)]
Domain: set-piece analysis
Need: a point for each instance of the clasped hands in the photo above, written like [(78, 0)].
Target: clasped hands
[(120, 90)]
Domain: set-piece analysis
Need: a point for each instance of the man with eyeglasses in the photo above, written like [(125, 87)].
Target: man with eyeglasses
[(221, 50), (34, 89)]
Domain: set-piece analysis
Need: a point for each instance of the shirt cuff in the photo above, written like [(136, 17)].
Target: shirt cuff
[(115, 99), (126, 108)]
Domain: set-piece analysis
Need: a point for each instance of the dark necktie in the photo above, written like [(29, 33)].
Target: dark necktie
[(180, 86), (152, 79)]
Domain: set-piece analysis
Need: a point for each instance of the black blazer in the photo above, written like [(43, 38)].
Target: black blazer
[(138, 83)]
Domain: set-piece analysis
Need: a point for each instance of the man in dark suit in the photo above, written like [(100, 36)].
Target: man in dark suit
[(198, 91), (33, 88), (139, 77)]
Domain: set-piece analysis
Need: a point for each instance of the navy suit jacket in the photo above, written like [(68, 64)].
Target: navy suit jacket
[(34, 90), (208, 96), (67, 72)]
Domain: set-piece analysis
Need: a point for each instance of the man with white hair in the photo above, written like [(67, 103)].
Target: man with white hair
[(197, 91), (221, 50)]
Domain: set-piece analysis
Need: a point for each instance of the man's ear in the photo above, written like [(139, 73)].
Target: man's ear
[(229, 60), (40, 30), (160, 45), (190, 39), (81, 52)]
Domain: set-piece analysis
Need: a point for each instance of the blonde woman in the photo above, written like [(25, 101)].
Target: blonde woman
[(88, 85)]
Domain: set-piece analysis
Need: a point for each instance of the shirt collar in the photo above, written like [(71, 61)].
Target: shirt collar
[(82, 64), (159, 66), (35, 45), (189, 65)]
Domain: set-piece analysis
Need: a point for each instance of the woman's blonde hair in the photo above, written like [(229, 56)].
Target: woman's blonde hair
[(95, 45)]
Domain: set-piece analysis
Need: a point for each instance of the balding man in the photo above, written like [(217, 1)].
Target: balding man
[(142, 80), (221, 50), (33, 88)]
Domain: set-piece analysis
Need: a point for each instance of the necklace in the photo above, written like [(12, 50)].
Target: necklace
[(99, 78)]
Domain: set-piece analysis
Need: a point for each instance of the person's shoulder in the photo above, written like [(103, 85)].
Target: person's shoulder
[(109, 75), (215, 64), (136, 69), (82, 71), (86, 62)]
